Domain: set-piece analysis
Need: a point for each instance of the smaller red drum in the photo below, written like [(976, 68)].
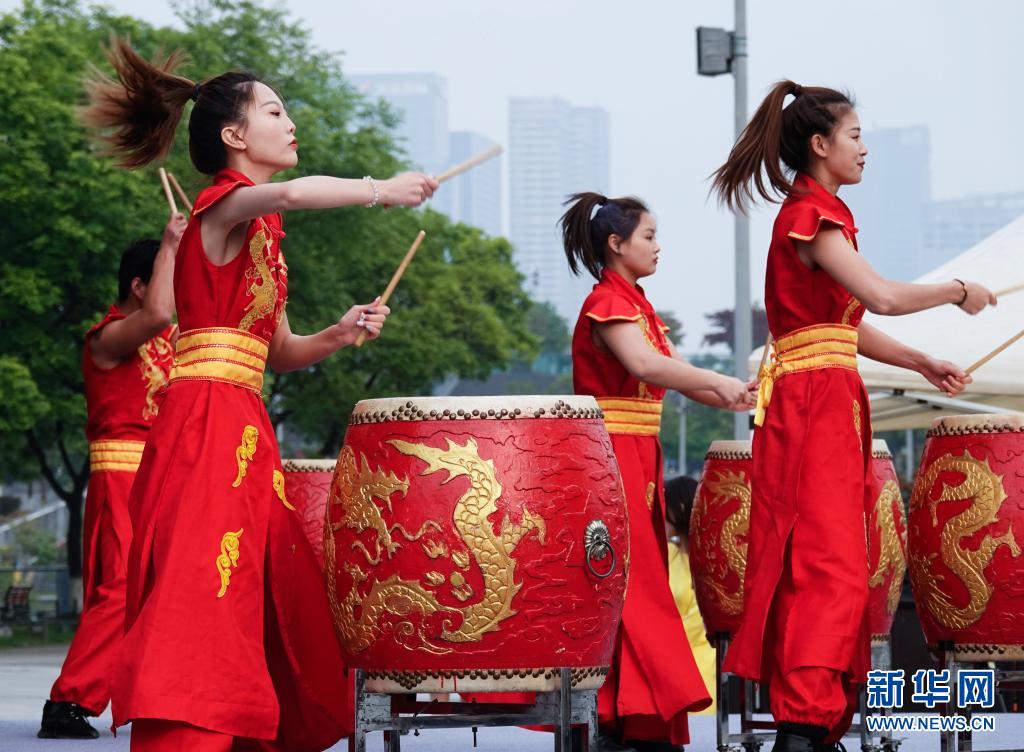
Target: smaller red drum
[(720, 526), (307, 485), (887, 543), (719, 529), (966, 531)]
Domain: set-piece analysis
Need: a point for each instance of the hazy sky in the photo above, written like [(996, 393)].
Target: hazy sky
[(951, 65)]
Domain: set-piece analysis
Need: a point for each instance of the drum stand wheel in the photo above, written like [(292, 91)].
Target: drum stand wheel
[(397, 715), (1006, 681), (750, 740)]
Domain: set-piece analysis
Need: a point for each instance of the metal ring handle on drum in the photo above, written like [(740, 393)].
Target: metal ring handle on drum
[(598, 544)]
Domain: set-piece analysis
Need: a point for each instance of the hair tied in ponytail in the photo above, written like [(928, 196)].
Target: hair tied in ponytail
[(797, 90), (195, 92)]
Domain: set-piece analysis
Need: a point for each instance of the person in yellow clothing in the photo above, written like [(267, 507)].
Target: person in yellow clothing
[(679, 494)]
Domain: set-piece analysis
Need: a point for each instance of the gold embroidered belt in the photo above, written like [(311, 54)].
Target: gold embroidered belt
[(634, 417), (809, 349), (115, 455), (220, 354)]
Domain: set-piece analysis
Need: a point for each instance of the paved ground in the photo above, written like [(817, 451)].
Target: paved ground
[(26, 676)]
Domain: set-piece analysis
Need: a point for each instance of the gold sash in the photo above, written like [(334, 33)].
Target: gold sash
[(631, 416), (115, 455), (807, 349), (220, 354)]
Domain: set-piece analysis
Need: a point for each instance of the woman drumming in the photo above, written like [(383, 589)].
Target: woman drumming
[(804, 627), (228, 633), (621, 356)]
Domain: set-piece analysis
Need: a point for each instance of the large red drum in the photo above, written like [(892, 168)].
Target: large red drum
[(477, 544), (307, 485), (966, 529), (720, 528)]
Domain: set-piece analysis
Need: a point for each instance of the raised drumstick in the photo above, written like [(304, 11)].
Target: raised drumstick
[(1009, 290), (978, 364), (394, 279), (167, 191), (181, 194), (470, 163)]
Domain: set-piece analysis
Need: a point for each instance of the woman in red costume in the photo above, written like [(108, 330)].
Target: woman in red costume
[(228, 634), (125, 363), (621, 356), (804, 627)]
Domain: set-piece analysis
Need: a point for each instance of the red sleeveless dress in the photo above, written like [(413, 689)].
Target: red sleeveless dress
[(121, 404), (227, 625), (806, 588), (654, 681)]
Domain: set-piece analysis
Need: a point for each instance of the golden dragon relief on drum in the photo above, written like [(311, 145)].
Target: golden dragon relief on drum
[(357, 617), (725, 487), (985, 490), (892, 545)]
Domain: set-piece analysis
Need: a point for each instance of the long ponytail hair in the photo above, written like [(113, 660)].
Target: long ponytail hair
[(138, 110), (585, 239), (776, 140)]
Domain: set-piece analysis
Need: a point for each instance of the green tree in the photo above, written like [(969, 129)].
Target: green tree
[(460, 308)]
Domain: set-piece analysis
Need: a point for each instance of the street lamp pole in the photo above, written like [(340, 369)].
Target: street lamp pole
[(719, 52), (742, 323)]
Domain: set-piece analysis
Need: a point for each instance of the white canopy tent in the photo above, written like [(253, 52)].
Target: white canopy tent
[(901, 399)]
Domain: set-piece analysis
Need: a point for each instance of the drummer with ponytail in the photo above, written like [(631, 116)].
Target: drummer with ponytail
[(228, 633), (805, 628), (622, 356)]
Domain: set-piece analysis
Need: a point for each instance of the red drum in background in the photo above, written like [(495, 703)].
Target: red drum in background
[(720, 526), (887, 543), (477, 543), (966, 535), (307, 485), (719, 529)]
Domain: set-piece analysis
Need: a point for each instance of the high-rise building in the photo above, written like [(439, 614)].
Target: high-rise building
[(474, 197), (955, 225), (891, 205), (554, 150), (421, 99)]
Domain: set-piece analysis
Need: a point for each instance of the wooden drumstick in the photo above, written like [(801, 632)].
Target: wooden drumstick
[(1010, 290), (975, 366), (768, 342), (394, 279), (470, 163), (167, 191), (181, 194)]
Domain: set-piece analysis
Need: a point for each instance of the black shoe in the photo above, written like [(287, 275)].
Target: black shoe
[(643, 745), (798, 737), (65, 720), (608, 743)]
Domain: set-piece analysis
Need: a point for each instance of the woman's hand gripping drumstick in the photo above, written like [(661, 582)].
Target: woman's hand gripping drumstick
[(379, 307)]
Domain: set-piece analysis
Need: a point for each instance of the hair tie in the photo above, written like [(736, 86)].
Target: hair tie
[(195, 92), (797, 90)]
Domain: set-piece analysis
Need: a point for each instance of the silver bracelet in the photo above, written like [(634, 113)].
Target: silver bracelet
[(376, 191)]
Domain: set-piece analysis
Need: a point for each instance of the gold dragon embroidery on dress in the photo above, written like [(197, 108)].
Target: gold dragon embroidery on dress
[(227, 558), (857, 423), (264, 288), (279, 489), (245, 452), (892, 545), (492, 553), (650, 496), (851, 308), (985, 489), (727, 486), (151, 356)]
